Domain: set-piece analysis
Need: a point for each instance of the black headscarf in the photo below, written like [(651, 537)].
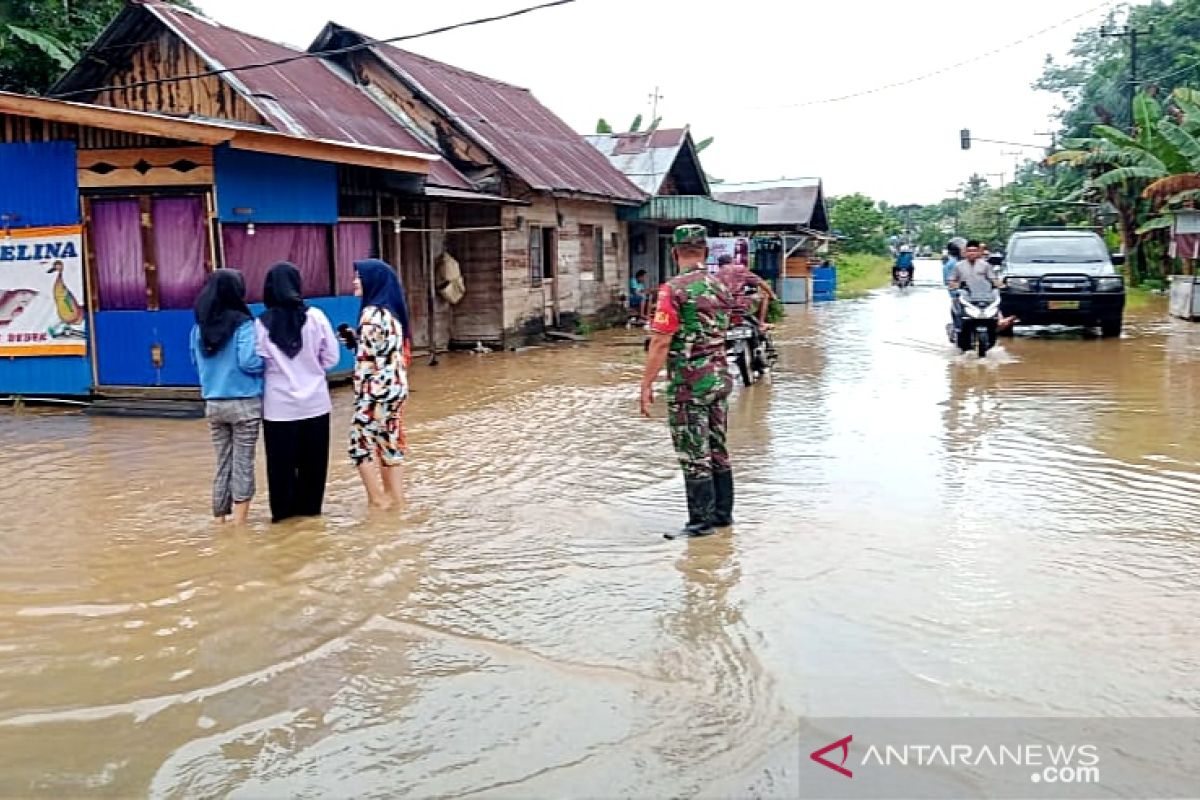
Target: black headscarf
[(221, 309), (286, 312), (381, 288)]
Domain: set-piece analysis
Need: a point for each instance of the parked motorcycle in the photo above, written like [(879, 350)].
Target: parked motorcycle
[(980, 316)]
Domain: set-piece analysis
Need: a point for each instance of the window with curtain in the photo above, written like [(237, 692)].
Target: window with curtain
[(116, 236), (306, 246), (355, 241), (180, 245)]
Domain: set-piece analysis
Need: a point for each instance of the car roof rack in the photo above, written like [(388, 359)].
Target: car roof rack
[(1058, 228)]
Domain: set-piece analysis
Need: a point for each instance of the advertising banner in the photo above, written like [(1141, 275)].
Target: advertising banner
[(41, 292)]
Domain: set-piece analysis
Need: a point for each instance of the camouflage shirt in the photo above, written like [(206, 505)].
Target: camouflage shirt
[(695, 308)]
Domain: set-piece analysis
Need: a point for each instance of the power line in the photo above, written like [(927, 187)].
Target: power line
[(1171, 74), (319, 54), (951, 67)]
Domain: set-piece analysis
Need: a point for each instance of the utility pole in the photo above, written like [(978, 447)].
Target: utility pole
[(1132, 34), (1016, 154), (955, 192), (654, 98)]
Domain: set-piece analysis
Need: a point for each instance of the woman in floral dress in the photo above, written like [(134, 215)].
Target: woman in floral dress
[(380, 383)]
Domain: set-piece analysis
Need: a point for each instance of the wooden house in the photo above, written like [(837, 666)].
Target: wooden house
[(792, 231), (562, 248), (110, 220), (665, 164), (136, 63)]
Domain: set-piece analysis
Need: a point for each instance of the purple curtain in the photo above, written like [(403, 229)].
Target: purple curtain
[(116, 232), (180, 241), (306, 246), (355, 241)]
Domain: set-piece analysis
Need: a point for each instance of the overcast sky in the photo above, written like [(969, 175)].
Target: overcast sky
[(740, 71)]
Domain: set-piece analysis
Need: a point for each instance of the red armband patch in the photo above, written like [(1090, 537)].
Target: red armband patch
[(666, 315)]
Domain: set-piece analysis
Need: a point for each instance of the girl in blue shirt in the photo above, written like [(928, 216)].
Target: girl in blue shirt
[(224, 351)]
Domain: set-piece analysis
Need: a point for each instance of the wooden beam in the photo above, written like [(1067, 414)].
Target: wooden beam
[(127, 157), (158, 176), (329, 151), (95, 116)]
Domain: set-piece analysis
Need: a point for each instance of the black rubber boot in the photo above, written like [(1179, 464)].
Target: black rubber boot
[(701, 499), (723, 488)]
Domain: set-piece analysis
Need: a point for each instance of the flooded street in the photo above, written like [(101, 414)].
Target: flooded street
[(919, 533)]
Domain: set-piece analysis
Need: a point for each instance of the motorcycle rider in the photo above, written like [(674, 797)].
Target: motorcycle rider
[(737, 277), (973, 273), (904, 260), (949, 262)]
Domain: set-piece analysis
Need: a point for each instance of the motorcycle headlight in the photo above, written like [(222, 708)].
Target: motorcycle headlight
[(1019, 284), (1110, 283), (972, 310)]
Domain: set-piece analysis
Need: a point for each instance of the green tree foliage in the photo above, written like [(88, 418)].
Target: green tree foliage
[(1093, 79), (859, 220), (40, 39), (602, 126)]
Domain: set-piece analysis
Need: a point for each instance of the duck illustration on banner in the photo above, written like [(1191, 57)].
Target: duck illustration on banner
[(41, 286)]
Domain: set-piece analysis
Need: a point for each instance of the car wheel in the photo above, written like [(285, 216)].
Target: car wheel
[(1110, 328)]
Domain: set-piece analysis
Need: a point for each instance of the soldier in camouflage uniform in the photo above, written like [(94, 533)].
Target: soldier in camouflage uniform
[(690, 320)]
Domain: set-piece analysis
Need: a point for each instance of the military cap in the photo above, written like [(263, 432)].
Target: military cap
[(690, 236)]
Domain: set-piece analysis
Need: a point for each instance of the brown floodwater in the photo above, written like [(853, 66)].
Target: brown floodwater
[(918, 533)]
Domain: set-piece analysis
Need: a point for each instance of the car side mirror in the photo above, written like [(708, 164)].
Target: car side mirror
[(996, 260), (1117, 259)]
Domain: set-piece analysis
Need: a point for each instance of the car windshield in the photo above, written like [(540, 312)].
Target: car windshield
[(1058, 250)]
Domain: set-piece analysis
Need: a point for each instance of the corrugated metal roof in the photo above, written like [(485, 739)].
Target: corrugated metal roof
[(645, 158), (693, 208), (304, 97), (509, 122), (794, 202)]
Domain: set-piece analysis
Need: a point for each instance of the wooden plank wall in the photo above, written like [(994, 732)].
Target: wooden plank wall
[(27, 129), (479, 317), (145, 167), (164, 56), (369, 72)]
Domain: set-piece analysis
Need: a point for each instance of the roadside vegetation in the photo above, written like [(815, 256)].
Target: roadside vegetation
[(860, 273)]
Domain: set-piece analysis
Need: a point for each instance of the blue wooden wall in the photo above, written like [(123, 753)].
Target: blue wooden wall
[(39, 183), (276, 188), (126, 339)]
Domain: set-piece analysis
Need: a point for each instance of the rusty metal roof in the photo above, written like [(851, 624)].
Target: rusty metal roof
[(303, 98), (788, 203), (647, 159), (519, 132)]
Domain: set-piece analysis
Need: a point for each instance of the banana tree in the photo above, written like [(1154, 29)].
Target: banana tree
[(1122, 167)]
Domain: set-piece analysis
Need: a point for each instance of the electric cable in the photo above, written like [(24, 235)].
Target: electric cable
[(948, 68), (318, 54)]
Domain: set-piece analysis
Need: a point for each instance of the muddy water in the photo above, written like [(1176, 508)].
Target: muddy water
[(919, 533)]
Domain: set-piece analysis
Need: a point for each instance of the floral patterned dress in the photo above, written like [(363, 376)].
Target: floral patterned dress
[(380, 388)]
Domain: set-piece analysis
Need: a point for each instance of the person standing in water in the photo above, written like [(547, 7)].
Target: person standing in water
[(298, 346), (690, 321), (377, 442), (224, 351)]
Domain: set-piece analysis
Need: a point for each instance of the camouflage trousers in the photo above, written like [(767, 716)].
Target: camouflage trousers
[(698, 431)]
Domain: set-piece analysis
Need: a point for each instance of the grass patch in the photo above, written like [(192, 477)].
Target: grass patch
[(1140, 298), (858, 274)]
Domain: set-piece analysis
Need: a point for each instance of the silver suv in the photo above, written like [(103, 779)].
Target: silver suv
[(1063, 276)]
